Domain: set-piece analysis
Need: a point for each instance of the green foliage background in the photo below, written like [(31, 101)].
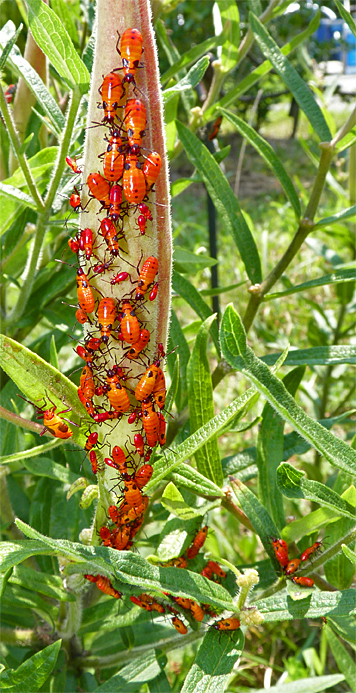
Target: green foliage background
[(273, 426)]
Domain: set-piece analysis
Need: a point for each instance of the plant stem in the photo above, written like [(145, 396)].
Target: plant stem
[(249, 38), (228, 503), (17, 312), (19, 421), (22, 159), (350, 123)]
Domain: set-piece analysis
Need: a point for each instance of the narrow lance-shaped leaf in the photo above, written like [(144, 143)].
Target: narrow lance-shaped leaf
[(51, 36), (335, 218), (268, 154), (344, 661), (270, 452), (16, 194), (133, 675), (338, 277), (346, 16), (194, 76), (235, 348), (224, 200), (8, 47), (260, 519), (290, 76), (202, 436), (194, 53), (34, 82), (280, 607), (293, 484), (31, 674), (338, 569), (230, 19), (201, 405), (214, 662)]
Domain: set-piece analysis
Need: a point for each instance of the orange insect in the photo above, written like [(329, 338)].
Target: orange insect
[(129, 324), (292, 566), (143, 475), (154, 292), (74, 245), (304, 581), (114, 159), (52, 421), (147, 276), (81, 316), (87, 382), (86, 403), (159, 390), (105, 536), (136, 348), (215, 569), (215, 128), (151, 169), (135, 118), (106, 317), (92, 440), (179, 625), (151, 423), (93, 461), (115, 198), (119, 458), (281, 551), (86, 242), (197, 543), (312, 549), (73, 164), (145, 211), (162, 429), (227, 624), (75, 201), (121, 537), (131, 47), (182, 601), (111, 92), (109, 233), (84, 292), (132, 493), (118, 397), (133, 180), (104, 584), (197, 611), (99, 188), (147, 383)]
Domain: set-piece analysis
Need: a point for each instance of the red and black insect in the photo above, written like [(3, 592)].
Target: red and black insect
[(281, 551), (315, 548), (110, 92), (197, 542), (131, 47)]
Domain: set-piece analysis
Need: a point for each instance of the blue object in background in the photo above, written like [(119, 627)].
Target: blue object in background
[(350, 51)]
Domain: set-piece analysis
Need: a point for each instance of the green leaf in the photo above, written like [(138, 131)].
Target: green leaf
[(346, 141), (235, 348), (293, 484), (312, 685), (77, 485), (191, 79), (65, 15), (335, 218), (280, 607), (46, 467), (186, 290), (346, 16), (290, 76), (16, 194), (189, 478), (50, 585), (51, 36), (173, 389), (175, 538), (131, 677), (230, 19), (202, 436), (260, 519), (9, 46), (337, 277), (53, 353), (173, 501), (34, 83), (191, 56), (224, 200), (38, 380), (270, 452), (351, 555), (32, 452), (308, 524), (201, 405), (316, 356), (187, 262), (178, 342), (216, 657), (170, 115), (160, 684), (130, 569), (260, 71), (268, 154), (342, 658), (338, 570), (31, 674), (221, 289)]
